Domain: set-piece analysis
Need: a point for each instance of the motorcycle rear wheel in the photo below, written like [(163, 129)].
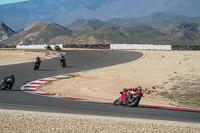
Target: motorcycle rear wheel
[(133, 102)]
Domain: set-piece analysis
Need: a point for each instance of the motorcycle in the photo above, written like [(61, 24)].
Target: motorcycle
[(36, 66), (49, 48), (7, 83), (57, 48), (3, 85), (129, 98), (63, 62)]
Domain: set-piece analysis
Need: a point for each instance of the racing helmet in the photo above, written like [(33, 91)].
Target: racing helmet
[(139, 88)]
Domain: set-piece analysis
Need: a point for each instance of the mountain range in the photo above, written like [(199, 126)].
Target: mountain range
[(156, 20), (177, 33), (63, 12)]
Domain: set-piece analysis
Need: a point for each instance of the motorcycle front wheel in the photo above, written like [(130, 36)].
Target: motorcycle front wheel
[(116, 102)]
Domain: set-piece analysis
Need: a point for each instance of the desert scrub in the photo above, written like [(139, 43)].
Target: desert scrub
[(185, 92)]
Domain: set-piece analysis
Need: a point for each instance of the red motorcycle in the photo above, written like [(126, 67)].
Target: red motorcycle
[(129, 97)]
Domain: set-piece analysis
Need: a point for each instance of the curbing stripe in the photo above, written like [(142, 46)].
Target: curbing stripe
[(30, 86), (36, 83)]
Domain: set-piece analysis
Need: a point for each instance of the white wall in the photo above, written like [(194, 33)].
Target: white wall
[(38, 46), (140, 46)]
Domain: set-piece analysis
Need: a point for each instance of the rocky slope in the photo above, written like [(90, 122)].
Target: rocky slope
[(5, 31), (38, 33)]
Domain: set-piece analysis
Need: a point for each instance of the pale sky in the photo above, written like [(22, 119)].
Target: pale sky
[(10, 1)]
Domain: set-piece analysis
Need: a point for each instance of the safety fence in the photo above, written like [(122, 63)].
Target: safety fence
[(90, 46), (140, 47), (38, 46), (112, 46)]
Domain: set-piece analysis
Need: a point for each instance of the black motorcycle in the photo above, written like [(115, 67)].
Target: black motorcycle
[(57, 48), (49, 48), (36, 66), (7, 83), (63, 62)]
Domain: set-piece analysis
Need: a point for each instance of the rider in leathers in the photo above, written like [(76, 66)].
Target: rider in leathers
[(61, 58), (37, 60)]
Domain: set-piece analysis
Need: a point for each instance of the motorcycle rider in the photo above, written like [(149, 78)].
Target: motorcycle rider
[(37, 60), (37, 63), (48, 47), (57, 47), (137, 91), (61, 58), (8, 82)]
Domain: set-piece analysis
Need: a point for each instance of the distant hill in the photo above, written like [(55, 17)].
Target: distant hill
[(156, 20), (178, 33), (181, 27), (63, 12), (80, 24), (110, 34), (181, 33), (5, 31), (38, 33)]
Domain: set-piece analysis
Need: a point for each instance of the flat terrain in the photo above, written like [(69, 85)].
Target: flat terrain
[(160, 73), (35, 122), (13, 56)]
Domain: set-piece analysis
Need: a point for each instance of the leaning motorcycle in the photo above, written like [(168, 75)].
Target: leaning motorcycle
[(3, 85), (57, 48), (49, 48), (36, 66), (63, 62), (128, 98), (6, 84)]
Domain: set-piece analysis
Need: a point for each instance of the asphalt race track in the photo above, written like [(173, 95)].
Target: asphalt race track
[(79, 61)]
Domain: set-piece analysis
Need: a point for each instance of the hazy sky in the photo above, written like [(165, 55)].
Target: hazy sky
[(9, 1)]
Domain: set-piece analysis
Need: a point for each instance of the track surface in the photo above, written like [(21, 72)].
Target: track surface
[(79, 61)]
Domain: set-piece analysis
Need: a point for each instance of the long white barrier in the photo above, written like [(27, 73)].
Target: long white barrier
[(140, 46), (38, 46)]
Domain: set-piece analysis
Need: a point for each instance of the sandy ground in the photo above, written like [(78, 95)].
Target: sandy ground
[(20, 56), (154, 73), (34, 122)]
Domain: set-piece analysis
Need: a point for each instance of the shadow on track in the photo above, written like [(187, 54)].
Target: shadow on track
[(47, 70)]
